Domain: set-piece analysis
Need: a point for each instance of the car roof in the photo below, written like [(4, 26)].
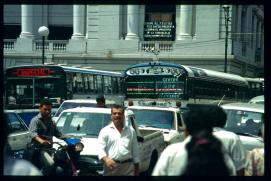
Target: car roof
[(244, 107), (107, 101), (9, 111), (154, 108), (81, 101), (89, 109), (257, 98)]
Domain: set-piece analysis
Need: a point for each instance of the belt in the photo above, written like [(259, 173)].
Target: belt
[(124, 161)]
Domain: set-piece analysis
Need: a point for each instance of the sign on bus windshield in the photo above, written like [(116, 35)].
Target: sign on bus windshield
[(155, 82), (154, 87)]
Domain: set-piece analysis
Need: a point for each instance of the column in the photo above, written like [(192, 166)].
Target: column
[(132, 22), (27, 22), (185, 22), (78, 21)]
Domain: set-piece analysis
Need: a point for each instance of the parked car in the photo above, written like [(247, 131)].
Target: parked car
[(257, 100), (18, 131), (246, 120), (86, 123), (166, 119), (73, 103)]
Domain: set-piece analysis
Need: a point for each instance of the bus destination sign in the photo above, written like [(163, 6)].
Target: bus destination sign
[(32, 72)]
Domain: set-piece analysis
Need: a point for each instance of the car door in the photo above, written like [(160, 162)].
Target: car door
[(18, 131)]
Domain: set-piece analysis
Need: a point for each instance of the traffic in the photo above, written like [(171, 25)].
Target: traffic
[(54, 119)]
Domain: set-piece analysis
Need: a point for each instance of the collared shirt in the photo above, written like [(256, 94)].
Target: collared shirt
[(233, 146), (116, 145), (43, 128), (173, 160)]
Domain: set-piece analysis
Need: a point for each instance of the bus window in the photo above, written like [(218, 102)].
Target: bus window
[(100, 83), (107, 85)]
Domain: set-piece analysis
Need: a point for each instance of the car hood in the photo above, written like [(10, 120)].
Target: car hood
[(90, 146), (251, 142), (170, 135)]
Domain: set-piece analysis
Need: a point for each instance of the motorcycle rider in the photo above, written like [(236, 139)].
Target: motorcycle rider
[(42, 130)]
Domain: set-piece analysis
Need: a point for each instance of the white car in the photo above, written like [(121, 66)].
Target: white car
[(19, 134), (166, 119), (86, 124), (257, 100), (246, 120), (73, 103)]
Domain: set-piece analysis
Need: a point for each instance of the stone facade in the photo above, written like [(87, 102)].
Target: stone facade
[(111, 37)]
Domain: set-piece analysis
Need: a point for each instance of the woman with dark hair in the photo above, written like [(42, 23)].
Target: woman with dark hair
[(205, 156)]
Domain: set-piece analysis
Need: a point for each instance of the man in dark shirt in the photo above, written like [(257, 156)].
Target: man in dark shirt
[(42, 130)]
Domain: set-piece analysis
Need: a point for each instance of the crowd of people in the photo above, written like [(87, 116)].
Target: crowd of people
[(208, 149)]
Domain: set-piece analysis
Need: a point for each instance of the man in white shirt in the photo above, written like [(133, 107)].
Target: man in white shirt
[(174, 159), (230, 140), (118, 146)]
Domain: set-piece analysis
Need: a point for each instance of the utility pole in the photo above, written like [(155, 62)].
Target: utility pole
[(227, 19)]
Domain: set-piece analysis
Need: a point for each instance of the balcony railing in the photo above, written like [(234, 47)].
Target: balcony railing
[(165, 46), (9, 44), (59, 46), (50, 45)]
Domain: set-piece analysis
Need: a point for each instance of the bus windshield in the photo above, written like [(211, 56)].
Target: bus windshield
[(30, 91)]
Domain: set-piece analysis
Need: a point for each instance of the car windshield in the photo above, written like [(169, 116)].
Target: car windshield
[(83, 123), (14, 123), (244, 122), (154, 118), (69, 105)]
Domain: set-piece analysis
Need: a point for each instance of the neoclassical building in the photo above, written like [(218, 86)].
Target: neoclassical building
[(113, 37)]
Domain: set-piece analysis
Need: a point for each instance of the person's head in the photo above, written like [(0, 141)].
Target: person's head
[(214, 114), (45, 108), (218, 116), (100, 101), (196, 119), (117, 114), (205, 156)]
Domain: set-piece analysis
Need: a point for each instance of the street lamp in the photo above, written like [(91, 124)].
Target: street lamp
[(227, 19), (44, 32)]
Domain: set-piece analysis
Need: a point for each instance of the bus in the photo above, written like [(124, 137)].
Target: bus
[(255, 86), (161, 81), (26, 85)]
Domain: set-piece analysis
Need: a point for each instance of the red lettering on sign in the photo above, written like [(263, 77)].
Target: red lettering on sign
[(33, 72)]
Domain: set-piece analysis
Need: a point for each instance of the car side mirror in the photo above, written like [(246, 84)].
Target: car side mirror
[(180, 129), (140, 139)]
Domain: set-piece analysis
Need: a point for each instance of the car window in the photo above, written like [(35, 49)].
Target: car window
[(83, 123), (14, 123), (155, 118), (179, 120), (69, 105), (244, 121)]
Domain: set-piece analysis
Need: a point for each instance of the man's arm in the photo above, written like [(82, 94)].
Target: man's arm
[(102, 143)]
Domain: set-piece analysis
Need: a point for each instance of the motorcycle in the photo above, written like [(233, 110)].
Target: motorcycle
[(66, 156)]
